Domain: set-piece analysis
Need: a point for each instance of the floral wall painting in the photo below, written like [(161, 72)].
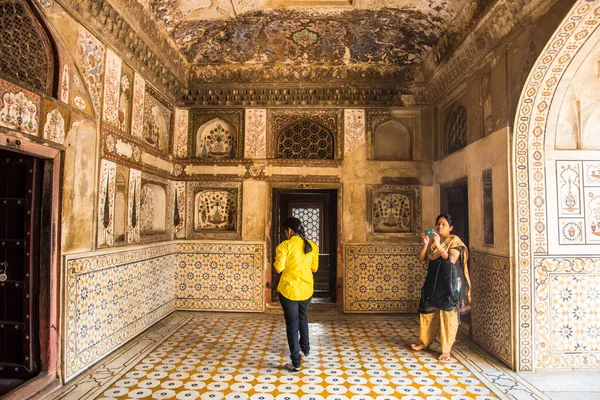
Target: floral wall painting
[(569, 186), (216, 139), (112, 75), (65, 84), (487, 123), (19, 108), (216, 134), (354, 129), (106, 203), (393, 210), (121, 204), (137, 109), (157, 123), (215, 210), (256, 133), (179, 209), (91, 62), (125, 95), (134, 204), (592, 200)]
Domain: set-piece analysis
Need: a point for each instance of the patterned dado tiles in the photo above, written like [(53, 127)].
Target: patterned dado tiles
[(567, 303), (216, 356), (114, 295), (490, 314), (225, 277), (382, 278), (111, 297)]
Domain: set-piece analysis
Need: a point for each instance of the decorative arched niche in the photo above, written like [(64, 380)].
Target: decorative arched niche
[(121, 206), (392, 141), (216, 139), (154, 208), (215, 210)]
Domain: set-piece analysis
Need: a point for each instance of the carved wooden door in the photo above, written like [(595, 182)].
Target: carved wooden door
[(20, 186), (317, 211)]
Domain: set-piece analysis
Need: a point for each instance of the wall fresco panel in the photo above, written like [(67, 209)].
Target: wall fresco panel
[(106, 203), (112, 78), (354, 129), (181, 133), (137, 110), (255, 140)]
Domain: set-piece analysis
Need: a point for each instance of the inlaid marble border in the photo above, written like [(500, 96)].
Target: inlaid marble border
[(491, 324), (529, 167), (391, 275)]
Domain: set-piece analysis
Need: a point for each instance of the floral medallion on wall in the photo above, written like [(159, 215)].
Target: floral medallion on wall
[(91, 60), (215, 210), (19, 108), (256, 133), (106, 203), (137, 109), (55, 121), (393, 211), (216, 134), (158, 119)]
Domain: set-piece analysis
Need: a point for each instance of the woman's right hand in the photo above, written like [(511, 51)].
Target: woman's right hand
[(425, 238)]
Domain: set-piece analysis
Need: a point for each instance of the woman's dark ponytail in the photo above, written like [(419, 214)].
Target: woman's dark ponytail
[(296, 225)]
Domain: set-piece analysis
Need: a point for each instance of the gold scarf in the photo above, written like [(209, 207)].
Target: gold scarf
[(451, 242)]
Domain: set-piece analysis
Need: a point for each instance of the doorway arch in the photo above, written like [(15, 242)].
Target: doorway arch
[(534, 125)]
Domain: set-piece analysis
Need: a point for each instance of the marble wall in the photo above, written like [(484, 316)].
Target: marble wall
[(112, 295)]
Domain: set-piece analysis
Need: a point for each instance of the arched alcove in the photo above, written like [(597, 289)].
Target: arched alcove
[(215, 139), (392, 141), (553, 277), (120, 209), (153, 209)]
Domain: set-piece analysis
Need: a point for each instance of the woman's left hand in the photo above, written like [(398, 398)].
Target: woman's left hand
[(436, 238)]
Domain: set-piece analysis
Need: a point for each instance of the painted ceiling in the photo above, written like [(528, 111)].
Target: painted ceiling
[(392, 33)]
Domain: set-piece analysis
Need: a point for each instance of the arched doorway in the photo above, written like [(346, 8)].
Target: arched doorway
[(541, 267)]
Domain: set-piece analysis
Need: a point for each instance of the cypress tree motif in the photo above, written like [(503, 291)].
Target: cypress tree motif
[(176, 217), (106, 220), (134, 207)]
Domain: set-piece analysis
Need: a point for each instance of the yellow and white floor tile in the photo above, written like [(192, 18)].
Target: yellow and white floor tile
[(216, 356)]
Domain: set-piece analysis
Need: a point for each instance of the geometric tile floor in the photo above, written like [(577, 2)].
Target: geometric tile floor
[(241, 356)]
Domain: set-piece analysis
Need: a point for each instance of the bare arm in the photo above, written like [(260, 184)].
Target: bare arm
[(423, 252)]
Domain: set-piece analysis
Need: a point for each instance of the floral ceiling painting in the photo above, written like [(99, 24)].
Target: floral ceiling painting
[(375, 32)]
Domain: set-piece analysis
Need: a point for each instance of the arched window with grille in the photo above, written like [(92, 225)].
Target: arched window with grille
[(455, 132), (305, 139)]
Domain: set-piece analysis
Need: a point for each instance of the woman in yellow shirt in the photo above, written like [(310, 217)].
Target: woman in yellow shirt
[(297, 259)]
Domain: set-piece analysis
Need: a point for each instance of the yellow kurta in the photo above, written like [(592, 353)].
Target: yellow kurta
[(297, 268)]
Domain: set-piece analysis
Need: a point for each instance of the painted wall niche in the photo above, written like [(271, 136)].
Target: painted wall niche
[(155, 202), (216, 139), (121, 205), (158, 120), (215, 210), (216, 134), (394, 211), (393, 135)]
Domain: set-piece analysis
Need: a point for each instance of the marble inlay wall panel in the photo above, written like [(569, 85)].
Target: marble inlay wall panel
[(491, 306), (137, 109), (382, 278), (112, 78), (566, 311), (134, 203), (255, 138), (216, 134), (113, 296), (19, 108), (215, 210), (55, 121), (91, 64), (220, 277), (158, 120), (393, 211), (180, 144), (354, 129), (106, 203), (178, 209)]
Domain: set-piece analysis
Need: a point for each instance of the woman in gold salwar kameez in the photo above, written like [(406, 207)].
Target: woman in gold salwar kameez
[(446, 292)]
